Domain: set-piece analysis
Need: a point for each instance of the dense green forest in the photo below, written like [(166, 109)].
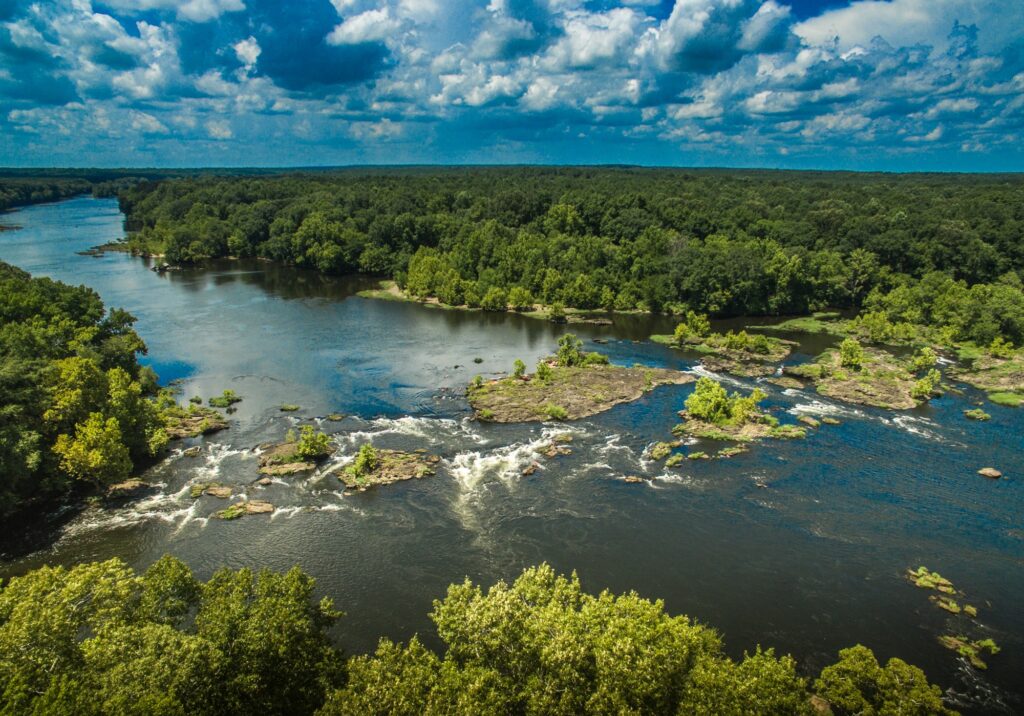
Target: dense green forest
[(75, 407), (923, 248), (100, 639)]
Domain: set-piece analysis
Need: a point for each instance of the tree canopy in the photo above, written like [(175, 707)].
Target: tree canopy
[(918, 247), (99, 638), (74, 397)]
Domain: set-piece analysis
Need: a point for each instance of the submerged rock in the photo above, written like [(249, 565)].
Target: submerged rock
[(241, 509), (127, 489)]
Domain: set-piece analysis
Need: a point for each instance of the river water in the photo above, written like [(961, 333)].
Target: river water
[(798, 545)]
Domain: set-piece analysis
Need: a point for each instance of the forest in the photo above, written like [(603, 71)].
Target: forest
[(99, 638), (77, 408), (942, 250)]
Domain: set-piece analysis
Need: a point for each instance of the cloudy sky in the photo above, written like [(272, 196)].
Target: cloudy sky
[(868, 84)]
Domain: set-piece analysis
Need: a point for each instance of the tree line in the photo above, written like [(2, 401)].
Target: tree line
[(99, 638), (721, 242), (76, 404)]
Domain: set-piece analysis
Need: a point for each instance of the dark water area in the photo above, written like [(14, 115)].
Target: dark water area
[(797, 545)]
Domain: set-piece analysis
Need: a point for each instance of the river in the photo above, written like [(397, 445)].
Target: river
[(797, 545)]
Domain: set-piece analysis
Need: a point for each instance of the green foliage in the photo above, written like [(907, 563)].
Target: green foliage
[(923, 359), (225, 399), (67, 368), (1000, 348), (925, 251), (477, 382), (857, 684), (99, 639), (570, 350), (851, 354), (557, 312), (543, 372), (693, 325), (925, 386), (96, 453), (312, 444), (495, 300), (518, 368), (556, 412), (977, 414), (710, 402), (520, 299), (366, 461)]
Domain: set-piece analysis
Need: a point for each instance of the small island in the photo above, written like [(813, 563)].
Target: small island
[(571, 385), (191, 422), (298, 453), (869, 376), (713, 414), (375, 466), (997, 370), (738, 353)]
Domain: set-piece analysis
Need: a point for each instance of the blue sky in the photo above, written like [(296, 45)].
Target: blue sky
[(899, 85)]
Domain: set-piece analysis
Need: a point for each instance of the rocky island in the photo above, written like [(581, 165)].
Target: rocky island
[(870, 376), (374, 466), (713, 414), (999, 371), (298, 453), (738, 353), (569, 386)]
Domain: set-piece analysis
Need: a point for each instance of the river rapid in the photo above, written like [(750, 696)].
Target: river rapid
[(796, 545)]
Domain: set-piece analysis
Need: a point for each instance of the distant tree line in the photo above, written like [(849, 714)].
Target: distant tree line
[(721, 242), (100, 639)]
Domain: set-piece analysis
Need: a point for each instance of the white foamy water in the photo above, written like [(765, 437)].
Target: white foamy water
[(434, 430), (818, 407)]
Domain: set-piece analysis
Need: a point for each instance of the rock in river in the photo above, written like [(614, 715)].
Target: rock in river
[(990, 472)]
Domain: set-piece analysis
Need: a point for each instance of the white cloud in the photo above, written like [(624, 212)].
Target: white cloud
[(904, 23), (219, 129), (193, 10), (247, 51), (594, 38), (369, 26)]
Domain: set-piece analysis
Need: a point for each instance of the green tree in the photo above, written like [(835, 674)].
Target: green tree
[(857, 684), (851, 355), (312, 443), (495, 300), (96, 453), (520, 299), (570, 351), (518, 368)]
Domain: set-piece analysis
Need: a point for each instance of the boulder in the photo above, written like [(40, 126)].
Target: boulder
[(990, 472), (632, 479)]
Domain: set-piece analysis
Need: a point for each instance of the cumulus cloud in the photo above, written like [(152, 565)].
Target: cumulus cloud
[(193, 10), (369, 26), (728, 76)]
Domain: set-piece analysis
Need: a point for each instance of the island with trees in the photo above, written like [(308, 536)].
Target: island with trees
[(571, 385)]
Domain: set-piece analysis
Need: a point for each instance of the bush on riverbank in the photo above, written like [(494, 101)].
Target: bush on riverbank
[(99, 638)]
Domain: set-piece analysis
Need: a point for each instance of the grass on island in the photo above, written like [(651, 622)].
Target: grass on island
[(740, 353), (569, 386), (870, 376)]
